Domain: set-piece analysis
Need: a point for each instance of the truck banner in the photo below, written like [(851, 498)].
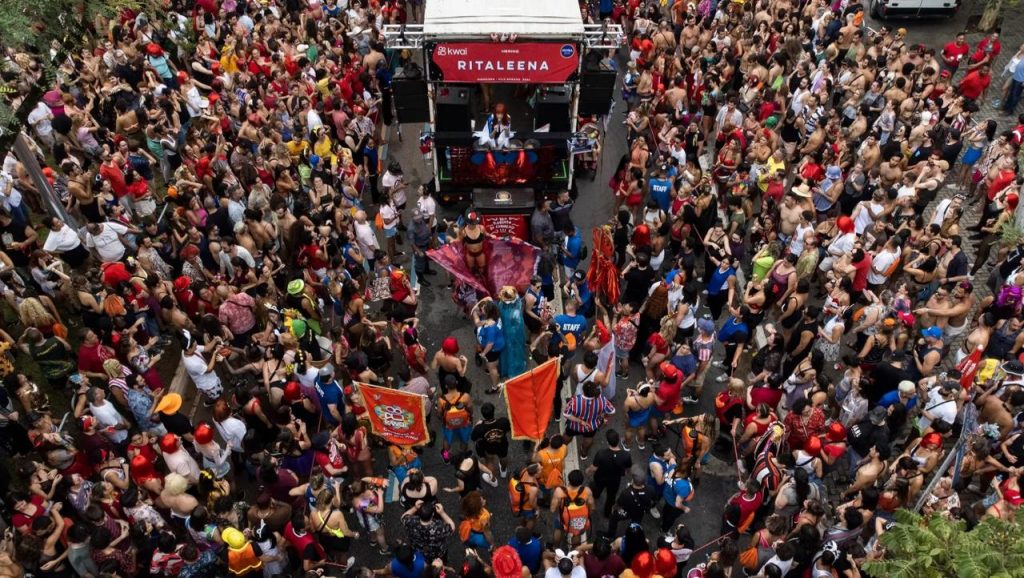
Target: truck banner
[(515, 63)]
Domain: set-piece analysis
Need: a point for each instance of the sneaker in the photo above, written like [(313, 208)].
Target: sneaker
[(584, 458), (624, 446), (209, 402), (446, 456), (348, 563), (502, 471), (722, 378), (385, 551), (690, 399), (641, 447), (717, 363), (489, 479), (655, 513)]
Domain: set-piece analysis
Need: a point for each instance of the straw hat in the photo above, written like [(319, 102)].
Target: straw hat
[(802, 190), (508, 294)]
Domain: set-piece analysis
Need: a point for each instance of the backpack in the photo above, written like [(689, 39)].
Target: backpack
[(518, 493), (456, 416), (575, 513), (584, 252)]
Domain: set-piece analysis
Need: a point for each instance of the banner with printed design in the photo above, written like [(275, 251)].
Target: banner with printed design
[(509, 262), (397, 416)]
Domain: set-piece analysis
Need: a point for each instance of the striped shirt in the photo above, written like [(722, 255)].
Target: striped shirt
[(591, 410)]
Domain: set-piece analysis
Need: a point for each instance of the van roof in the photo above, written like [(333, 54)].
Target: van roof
[(476, 18)]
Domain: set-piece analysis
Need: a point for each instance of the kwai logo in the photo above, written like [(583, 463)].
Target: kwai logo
[(446, 51)]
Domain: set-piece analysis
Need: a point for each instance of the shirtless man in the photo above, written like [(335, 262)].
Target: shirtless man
[(999, 410), (676, 96), (664, 39), (870, 153), (891, 172), (949, 308), (8, 567), (690, 35), (789, 215)]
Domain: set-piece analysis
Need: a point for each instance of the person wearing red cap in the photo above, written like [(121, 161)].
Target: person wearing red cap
[(839, 246), (178, 460), (506, 563), (215, 458), (666, 395)]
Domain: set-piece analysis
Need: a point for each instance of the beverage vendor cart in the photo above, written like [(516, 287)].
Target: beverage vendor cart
[(503, 82)]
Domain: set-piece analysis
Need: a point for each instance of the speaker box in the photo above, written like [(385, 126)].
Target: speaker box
[(553, 110), (452, 109), (597, 89), (411, 102)]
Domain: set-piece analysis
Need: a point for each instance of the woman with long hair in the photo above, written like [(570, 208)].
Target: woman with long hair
[(475, 528)]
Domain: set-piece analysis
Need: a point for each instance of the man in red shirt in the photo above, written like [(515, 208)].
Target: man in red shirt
[(976, 82), (954, 52), (111, 171)]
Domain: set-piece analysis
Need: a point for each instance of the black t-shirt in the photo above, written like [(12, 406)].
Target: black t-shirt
[(638, 282), (492, 436), (636, 501), (176, 423), (611, 464), (865, 434), (882, 378), (957, 265)]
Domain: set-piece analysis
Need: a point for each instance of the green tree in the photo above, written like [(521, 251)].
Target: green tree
[(48, 31), (935, 547)]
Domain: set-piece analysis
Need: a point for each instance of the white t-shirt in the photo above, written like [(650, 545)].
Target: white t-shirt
[(366, 238), (63, 240), (196, 365), (427, 206), (107, 416), (389, 215), (181, 463), (108, 243), (233, 431), (866, 217), (796, 244), (880, 262), (40, 119), (943, 410)]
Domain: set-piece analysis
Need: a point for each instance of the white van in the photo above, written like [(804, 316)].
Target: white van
[(882, 9)]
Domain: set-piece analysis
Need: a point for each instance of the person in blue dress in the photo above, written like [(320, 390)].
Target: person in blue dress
[(513, 357)]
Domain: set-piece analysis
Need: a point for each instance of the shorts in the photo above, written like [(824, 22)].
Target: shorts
[(585, 434), (462, 434), (621, 353), (389, 233), (499, 451), (493, 356), (477, 540), (639, 418)]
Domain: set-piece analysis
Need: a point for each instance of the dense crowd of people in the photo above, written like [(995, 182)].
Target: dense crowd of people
[(783, 232)]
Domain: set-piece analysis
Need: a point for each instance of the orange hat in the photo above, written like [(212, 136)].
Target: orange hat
[(204, 433)]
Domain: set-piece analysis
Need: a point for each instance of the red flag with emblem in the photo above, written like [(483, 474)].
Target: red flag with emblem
[(397, 416)]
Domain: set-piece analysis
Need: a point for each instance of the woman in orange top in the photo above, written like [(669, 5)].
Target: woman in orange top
[(475, 528)]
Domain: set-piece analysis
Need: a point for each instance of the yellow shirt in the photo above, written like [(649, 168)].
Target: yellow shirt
[(295, 147)]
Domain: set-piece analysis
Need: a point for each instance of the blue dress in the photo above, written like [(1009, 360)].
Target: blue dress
[(513, 357)]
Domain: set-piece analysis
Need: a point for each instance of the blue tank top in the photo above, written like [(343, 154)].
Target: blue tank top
[(719, 280), (666, 471), (400, 570)]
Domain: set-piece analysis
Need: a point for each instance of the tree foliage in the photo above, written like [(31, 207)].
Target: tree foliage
[(936, 547), (47, 30)]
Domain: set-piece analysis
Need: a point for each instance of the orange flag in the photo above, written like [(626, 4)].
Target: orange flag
[(397, 416), (528, 399)]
